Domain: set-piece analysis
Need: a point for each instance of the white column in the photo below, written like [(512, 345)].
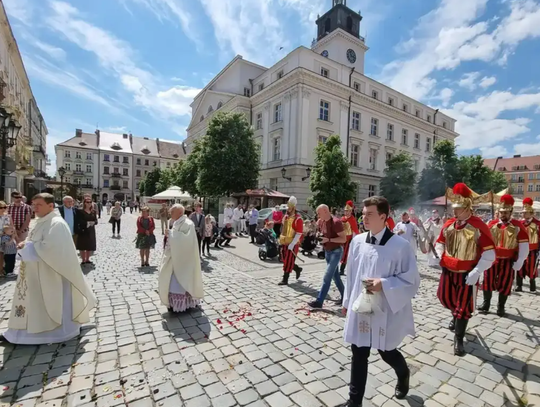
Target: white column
[(304, 127), (286, 117), (266, 127), (293, 126), (344, 125)]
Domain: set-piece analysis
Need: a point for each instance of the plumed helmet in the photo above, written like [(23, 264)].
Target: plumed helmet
[(349, 206), (528, 205), (292, 202), (462, 196), (507, 203)]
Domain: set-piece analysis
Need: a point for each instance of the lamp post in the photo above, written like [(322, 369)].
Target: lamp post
[(308, 174), (283, 172), (9, 129), (61, 172)]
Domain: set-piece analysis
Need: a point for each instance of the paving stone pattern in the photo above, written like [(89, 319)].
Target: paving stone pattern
[(256, 344)]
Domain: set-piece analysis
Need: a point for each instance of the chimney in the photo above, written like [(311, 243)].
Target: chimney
[(97, 133), (125, 135), (78, 133), (499, 158), (517, 156)]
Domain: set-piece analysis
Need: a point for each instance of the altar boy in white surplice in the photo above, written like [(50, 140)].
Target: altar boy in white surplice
[(52, 298), (180, 283), (382, 279)]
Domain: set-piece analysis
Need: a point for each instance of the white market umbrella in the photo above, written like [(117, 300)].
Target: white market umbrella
[(173, 193)]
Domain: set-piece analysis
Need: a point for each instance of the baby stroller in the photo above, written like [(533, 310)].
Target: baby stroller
[(270, 248), (309, 243)]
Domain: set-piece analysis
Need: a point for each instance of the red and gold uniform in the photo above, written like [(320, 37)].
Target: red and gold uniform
[(530, 267), (390, 224), (291, 232), (350, 226)]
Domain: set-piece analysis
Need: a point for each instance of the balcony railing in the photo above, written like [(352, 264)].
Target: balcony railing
[(40, 174), (115, 187), (39, 149), (88, 186), (78, 172), (116, 175)]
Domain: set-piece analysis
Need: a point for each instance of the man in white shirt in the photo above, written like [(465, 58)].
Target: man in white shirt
[(238, 214), (407, 230)]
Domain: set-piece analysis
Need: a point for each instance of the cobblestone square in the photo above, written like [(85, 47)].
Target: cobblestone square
[(253, 343)]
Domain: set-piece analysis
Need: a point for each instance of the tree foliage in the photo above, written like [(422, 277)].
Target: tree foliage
[(188, 171), (151, 181), (479, 177), (398, 180), (330, 182), (229, 158), (441, 171)]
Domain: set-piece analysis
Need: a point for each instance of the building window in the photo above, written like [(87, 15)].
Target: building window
[(105, 183), (280, 74), (520, 189), (78, 181), (247, 92), (146, 162), (68, 180), (444, 125), (434, 140), (355, 155), (138, 161), (168, 165), (274, 184), (391, 101), (261, 87), (390, 132), (68, 166), (125, 172), (105, 170), (416, 165), (417, 140), (116, 159), (371, 190), (429, 118), (405, 108), (259, 121), (78, 154), (324, 111), (126, 160), (145, 172), (389, 156), (154, 163), (115, 171), (405, 137), (125, 184), (276, 149), (357, 86), (355, 125), (89, 181), (115, 183), (322, 139), (538, 175), (89, 156), (137, 185), (514, 177), (530, 187), (138, 173), (88, 168), (428, 144), (277, 113), (417, 114), (374, 94), (67, 154), (531, 175), (78, 167), (537, 187), (374, 126), (372, 159), (324, 72)]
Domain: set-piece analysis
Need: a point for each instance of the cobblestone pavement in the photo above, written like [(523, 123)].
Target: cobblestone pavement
[(256, 344)]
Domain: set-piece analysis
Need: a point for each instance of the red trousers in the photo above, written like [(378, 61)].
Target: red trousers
[(455, 295), (346, 251), (499, 277), (288, 257), (529, 268)]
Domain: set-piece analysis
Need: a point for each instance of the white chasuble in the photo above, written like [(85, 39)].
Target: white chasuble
[(393, 262), (409, 231), (181, 262), (52, 297)]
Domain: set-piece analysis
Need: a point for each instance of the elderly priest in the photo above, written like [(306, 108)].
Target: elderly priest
[(52, 298)]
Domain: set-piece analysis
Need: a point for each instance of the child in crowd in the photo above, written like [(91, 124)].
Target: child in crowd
[(9, 247)]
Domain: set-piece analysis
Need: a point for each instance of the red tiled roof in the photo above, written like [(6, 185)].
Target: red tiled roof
[(507, 164)]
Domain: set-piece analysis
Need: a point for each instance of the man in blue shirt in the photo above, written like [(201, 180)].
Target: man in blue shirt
[(70, 215), (253, 220)]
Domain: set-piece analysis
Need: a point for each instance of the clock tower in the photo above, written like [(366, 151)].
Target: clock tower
[(338, 36)]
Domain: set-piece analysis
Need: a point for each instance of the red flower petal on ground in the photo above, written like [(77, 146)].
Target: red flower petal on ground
[(219, 321), (249, 314), (243, 331)]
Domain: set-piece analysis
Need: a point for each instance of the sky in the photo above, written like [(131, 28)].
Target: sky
[(136, 65)]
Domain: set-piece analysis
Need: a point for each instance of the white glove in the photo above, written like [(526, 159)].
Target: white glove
[(516, 268), (291, 246), (473, 277)]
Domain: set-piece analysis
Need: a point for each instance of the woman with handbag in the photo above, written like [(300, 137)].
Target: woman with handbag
[(86, 231), (146, 239), (116, 214)]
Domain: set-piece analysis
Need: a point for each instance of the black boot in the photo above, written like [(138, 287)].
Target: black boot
[(532, 285), (500, 306), (519, 284), (402, 387), (298, 270), (452, 324), (487, 302), (285, 280), (342, 269), (461, 327)]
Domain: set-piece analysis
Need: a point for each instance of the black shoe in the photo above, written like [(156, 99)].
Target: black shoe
[(452, 324), (461, 328), (285, 280), (350, 403), (339, 303), (532, 285), (3, 339), (519, 284), (500, 306), (484, 308), (342, 269), (298, 270), (315, 304), (402, 387)]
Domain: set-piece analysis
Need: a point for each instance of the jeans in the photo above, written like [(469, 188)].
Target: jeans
[(116, 222), (9, 263), (206, 243), (332, 273), (253, 232)]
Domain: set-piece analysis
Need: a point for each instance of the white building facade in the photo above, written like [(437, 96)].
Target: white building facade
[(314, 93)]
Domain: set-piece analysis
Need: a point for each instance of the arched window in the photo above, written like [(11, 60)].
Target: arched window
[(349, 23), (219, 105), (202, 118), (327, 25), (210, 109)]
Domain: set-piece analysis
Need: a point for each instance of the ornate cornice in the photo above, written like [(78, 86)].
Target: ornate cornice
[(344, 106), (342, 34)]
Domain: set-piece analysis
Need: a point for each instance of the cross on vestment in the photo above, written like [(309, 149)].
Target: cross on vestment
[(364, 327)]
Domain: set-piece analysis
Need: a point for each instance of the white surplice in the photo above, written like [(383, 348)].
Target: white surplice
[(52, 298), (181, 265), (410, 232), (392, 319), (433, 229)]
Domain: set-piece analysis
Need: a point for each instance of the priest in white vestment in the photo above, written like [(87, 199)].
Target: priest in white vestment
[(408, 231), (382, 279), (433, 227), (52, 298), (180, 278)]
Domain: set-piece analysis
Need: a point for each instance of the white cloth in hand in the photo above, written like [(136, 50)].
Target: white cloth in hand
[(28, 252), (473, 277), (291, 246)]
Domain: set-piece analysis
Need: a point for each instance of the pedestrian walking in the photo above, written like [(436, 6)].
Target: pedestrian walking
[(289, 240), (277, 218), (197, 218), (86, 231), (5, 219), (116, 214), (208, 233), (238, 214), (334, 237), (108, 205), (131, 205), (8, 246), (21, 214), (253, 221), (164, 217), (530, 267), (382, 279), (146, 239)]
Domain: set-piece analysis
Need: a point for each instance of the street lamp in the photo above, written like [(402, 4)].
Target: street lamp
[(61, 172), (308, 173), (283, 172), (9, 129)]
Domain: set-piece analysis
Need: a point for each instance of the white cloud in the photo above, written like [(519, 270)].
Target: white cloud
[(469, 80), (492, 152), (486, 81), (446, 95), (116, 129), (20, 10), (527, 148), (51, 50)]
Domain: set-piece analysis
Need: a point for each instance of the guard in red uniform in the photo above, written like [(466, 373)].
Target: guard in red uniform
[(414, 219), (512, 247), (351, 230), (466, 249), (291, 233), (530, 267), (390, 222)]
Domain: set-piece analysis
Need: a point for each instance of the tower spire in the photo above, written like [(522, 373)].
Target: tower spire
[(336, 2)]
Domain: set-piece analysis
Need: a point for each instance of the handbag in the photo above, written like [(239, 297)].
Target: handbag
[(111, 220)]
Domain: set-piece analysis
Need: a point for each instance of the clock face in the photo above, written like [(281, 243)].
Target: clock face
[(351, 56), (325, 53)]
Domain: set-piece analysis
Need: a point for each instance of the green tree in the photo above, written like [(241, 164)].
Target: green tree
[(142, 187), (498, 181), (165, 180), (229, 159), (330, 181), (186, 172), (442, 171), (398, 178), (151, 181), (478, 176)]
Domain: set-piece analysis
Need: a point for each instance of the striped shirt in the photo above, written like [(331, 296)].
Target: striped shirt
[(7, 246)]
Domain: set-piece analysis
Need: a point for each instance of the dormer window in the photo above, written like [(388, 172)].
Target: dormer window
[(210, 109), (82, 143), (145, 150), (175, 155), (219, 105), (202, 118), (116, 146)]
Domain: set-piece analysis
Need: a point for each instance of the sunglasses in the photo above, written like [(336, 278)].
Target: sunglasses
[(3, 207), (17, 197)]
